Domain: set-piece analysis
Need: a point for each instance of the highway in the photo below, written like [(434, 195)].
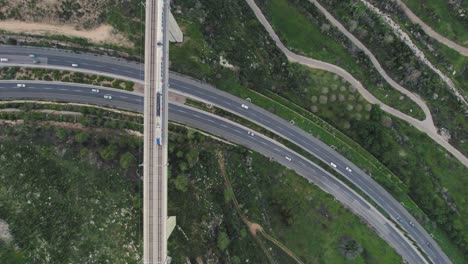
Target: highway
[(229, 131), (155, 134), (268, 120)]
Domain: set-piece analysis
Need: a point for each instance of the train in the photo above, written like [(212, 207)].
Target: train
[(158, 119), (158, 135)]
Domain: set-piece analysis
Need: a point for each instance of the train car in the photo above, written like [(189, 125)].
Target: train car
[(158, 135), (158, 104)]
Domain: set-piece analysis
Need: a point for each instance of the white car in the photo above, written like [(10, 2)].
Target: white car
[(32, 55), (348, 169), (74, 65), (3, 59), (21, 85), (95, 90), (108, 96), (244, 106), (333, 164), (287, 158), (251, 133)]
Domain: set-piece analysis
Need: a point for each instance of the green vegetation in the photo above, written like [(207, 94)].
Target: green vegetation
[(448, 18), (402, 65), (81, 208), (447, 60), (63, 208), (128, 18), (20, 73), (231, 30), (210, 227), (82, 115), (310, 34)]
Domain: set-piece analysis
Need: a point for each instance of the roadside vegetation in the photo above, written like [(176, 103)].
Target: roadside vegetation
[(21, 73), (84, 203), (260, 72)]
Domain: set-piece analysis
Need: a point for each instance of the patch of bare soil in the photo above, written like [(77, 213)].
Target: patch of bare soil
[(101, 34), (254, 227), (79, 13), (5, 234)]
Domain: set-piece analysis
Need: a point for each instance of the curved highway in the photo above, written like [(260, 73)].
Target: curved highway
[(117, 67), (232, 132)]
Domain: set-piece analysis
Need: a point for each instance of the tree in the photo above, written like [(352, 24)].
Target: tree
[(350, 248), (109, 152), (192, 157), (223, 241), (181, 183), (81, 137), (61, 133), (84, 152), (228, 195), (126, 160)]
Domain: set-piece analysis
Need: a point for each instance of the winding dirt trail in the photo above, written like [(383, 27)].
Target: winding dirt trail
[(254, 228), (400, 33), (430, 32), (426, 126)]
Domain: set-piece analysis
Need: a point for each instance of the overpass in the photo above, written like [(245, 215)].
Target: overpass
[(155, 133)]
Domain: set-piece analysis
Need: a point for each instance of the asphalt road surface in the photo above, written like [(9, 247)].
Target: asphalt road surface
[(110, 65), (232, 132)]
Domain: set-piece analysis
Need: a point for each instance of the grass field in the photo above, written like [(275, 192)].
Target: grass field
[(64, 204), (445, 17)]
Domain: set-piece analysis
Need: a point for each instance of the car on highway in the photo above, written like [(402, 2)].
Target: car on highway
[(95, 90), (411, 223), (333, 164), (108, 96), (159, 43), (348, 169), (287, 158), (244, 106), (74, 65), (32, 55), (251, 133), (3, 59), (35, 61), (20, 85)]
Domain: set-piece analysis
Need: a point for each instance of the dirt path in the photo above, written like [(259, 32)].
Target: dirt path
[(254, 228), (101, 34), (416, 51), (430, 32), (426, 126)]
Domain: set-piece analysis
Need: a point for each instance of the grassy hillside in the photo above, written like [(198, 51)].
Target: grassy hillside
[(68, 197), (448, 18)]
